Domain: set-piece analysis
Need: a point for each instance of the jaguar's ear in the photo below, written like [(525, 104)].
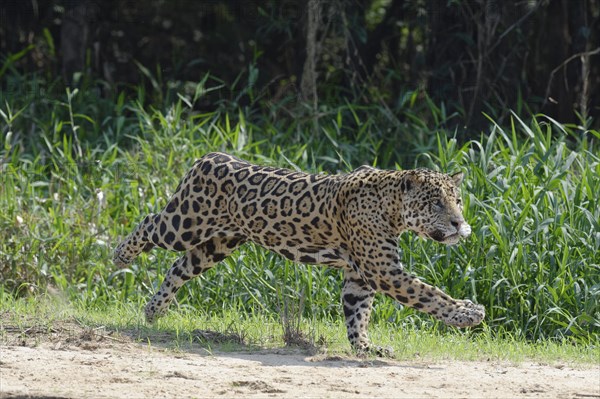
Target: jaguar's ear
[(458, 178)]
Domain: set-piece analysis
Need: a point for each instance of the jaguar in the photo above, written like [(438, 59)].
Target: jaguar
[(347, 221)]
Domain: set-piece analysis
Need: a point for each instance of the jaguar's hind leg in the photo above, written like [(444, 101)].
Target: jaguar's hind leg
[(190, 265), (135, 243)]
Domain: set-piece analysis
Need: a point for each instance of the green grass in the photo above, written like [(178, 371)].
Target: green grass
[(33, 321), (79, 173)]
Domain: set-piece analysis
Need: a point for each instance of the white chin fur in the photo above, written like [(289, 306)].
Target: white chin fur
[(452, 240), (465, 230)]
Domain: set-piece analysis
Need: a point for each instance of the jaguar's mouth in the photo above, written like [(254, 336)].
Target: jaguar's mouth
[(437, 235), (443, 238), (452, 239)]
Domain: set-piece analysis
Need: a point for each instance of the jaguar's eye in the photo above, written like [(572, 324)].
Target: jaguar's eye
[(438, 204)]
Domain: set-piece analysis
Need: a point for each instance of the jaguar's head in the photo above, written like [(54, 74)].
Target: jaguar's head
[(432, 206)]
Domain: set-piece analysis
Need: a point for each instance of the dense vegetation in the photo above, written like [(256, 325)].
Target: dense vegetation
[(105, 105), (475, 56), (96, 167)]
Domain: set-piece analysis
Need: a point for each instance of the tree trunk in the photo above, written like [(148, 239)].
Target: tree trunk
[(75, 37), (308, 86)]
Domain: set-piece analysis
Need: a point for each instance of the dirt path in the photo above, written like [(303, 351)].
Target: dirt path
[(109, 367)]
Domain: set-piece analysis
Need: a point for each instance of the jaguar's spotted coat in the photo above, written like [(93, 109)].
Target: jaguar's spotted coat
[(349, 221)]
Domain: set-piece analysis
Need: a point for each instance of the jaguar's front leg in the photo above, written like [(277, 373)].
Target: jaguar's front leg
[(389, 277), (357, 300)]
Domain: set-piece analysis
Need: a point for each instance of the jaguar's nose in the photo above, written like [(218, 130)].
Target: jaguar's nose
[(456, 224), (461, 226)]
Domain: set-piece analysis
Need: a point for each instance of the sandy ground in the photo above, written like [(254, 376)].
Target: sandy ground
[(95, 364)]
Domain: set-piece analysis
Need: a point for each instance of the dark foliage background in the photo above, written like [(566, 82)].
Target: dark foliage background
[(468, 56)]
